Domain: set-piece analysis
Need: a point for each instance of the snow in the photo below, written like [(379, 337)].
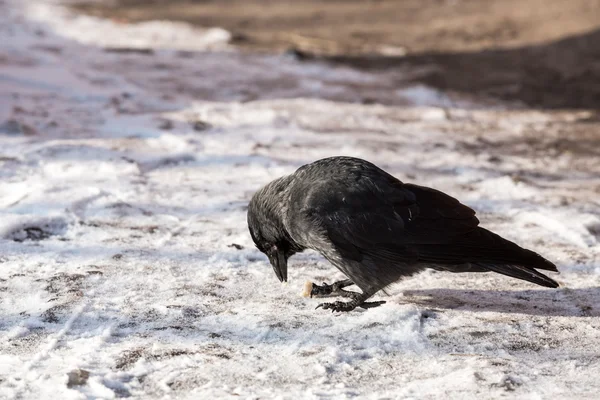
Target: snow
[(124, 249), (144, 35)]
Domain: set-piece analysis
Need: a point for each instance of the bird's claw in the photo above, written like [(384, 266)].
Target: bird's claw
[(340, 306), (337, 306), (371, 304)]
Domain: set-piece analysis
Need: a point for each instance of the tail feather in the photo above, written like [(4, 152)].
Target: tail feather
[(491, 252), (520, 272), (512, 252)]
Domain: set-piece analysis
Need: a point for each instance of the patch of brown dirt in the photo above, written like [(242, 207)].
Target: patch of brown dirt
[(343, 26), (541, 53)]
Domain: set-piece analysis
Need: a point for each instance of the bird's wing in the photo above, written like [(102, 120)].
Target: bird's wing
[(390, 218), (383, 229), (389, 225), (435, 217)]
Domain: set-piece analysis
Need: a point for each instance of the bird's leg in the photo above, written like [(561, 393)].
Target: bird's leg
[(335, 289), (358, 300)]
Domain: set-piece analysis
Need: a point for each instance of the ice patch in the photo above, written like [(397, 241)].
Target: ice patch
[(506, 187), (573, 228), (106, 33), (422, 95), (17, 332)]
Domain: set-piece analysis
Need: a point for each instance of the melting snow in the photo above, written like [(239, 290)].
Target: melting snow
[(126, 268)]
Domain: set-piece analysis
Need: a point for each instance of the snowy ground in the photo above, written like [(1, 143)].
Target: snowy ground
[(128, 157)]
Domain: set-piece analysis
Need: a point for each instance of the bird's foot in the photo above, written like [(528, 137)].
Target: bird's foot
[(371, 304), (335, 289), (341, 306), (338, 306)]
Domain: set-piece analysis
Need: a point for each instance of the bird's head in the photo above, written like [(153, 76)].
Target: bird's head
[(265, 222)]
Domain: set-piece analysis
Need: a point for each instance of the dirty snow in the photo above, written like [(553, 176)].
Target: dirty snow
[(126, 269)]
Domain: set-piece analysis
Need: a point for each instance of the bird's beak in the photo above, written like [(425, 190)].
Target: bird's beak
[(279, 263)]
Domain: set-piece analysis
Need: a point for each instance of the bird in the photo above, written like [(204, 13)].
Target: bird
[(376, 230)]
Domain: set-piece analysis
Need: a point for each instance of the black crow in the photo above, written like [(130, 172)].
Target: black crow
[(376, 230)]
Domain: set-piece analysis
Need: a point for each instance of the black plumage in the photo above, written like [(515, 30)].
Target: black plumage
[(377, 229)]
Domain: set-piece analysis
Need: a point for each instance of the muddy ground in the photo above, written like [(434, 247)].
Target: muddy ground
[(536, 53)]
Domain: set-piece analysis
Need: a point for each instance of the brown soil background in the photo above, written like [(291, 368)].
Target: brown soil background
[(536, 53)]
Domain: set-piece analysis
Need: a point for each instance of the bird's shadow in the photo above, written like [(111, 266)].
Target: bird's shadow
[(564, 302)]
